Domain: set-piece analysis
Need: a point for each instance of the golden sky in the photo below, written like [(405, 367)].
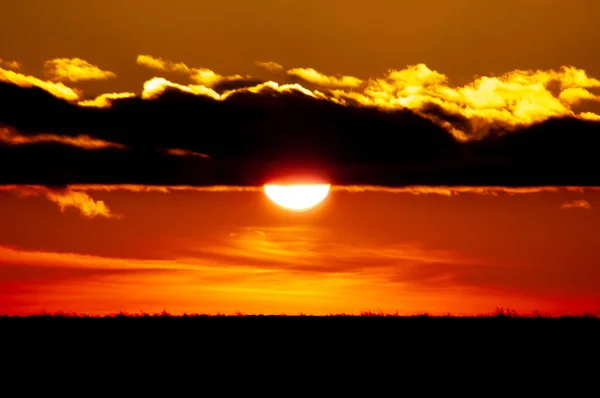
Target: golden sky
[(460, 38), (460, 138)]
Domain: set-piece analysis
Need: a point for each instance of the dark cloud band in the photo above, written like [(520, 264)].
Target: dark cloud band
[(253, 137)]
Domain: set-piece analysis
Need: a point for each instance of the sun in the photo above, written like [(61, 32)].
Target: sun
[(297, 197)]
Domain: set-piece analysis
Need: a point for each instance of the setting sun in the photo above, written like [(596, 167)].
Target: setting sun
[(297, 197)]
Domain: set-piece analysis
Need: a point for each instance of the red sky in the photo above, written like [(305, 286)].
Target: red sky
[(208, 252)]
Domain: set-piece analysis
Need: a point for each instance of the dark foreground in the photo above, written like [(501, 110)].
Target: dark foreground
[(289, 331), (305, 349)]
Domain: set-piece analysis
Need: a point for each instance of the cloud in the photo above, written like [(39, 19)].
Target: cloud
[(457, 190), (200, 76), (272, 266), (66, 199), (79, 196), (74, 70), (58, 90), (161, 188), (105, 100), (306, 249), (410, 190), (407, 128), (13, 65), (590, 116), (312, 76), (489, 104), (185, 152), (88, 207), (517, 98), (33, 274), (577, 204), (155, 87), (11, 137), (408, 266), (22, 265), (270, 66)]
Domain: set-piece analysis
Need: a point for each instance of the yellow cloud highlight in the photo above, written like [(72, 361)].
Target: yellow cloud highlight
[(274, 86), (74, 70), (161, 64), (153, 88), (591, 116), (104, 100), (59, 90), (312, 76), (11, 137), (200, 76), (520, 97), (514, 99)]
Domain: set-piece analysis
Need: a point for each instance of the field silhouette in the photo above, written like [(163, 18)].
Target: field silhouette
[(497, 314), (364, 324), (316, 345)]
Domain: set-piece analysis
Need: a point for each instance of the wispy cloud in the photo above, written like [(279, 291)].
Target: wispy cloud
[(12, 137), (199, 281), (65, 198), (270, 66), (78, 195), (457, 190), (13, 65), (200, 76), (185, 152), (410, 190), (577, 204), (309, 249)]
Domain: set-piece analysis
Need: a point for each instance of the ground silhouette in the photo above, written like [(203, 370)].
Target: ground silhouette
[(376, 347)]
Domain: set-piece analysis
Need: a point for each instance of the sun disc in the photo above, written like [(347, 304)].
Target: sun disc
[(297, 197)]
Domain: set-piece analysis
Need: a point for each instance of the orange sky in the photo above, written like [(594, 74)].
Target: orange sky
[(496, 64), (208, 252)]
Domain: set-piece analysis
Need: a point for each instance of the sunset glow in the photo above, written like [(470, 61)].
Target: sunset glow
[(300, 157)]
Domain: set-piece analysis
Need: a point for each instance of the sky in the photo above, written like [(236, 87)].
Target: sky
[(228, 252), (459, 138)]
